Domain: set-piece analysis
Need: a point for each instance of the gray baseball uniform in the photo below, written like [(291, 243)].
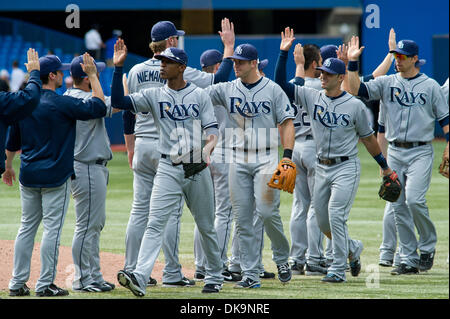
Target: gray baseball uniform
[(411, 108), (224, 218), (145, 163), (91, 154), (306, 237), (337, 124), (255, 113), (180, 115)]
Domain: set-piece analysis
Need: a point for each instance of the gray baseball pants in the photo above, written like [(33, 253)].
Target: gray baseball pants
[(89, 194), (48, 205), (169, 188), (145, 164)]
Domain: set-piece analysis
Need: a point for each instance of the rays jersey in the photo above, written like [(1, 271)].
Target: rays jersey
[(146, 75), (302, 122), (253, 113), (180, 116), (337, 123), (410, 106), (91, 139)]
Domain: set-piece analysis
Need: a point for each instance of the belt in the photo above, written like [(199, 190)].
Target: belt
[(407, 144), (332, 161), (247, 150), (101, 162)]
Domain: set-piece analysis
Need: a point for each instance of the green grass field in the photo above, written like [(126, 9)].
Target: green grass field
[(365, 223)]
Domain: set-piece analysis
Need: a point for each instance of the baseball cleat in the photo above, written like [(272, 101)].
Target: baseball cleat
[(106, 283), (315, 270), (231, 277), (22, 291), (284, 273), (151, 282), (199, 276), (426, 261), (355, 267), (52, 291), (404, 269), (126, 279), (266, 275), (332, 278), (211, 288), (297, 268), (385, 263), (184, 282), (247, 284)]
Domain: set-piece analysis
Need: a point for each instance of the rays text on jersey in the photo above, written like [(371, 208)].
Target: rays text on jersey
[(249, 109), (330, 119), (407, 98), (178, 112)]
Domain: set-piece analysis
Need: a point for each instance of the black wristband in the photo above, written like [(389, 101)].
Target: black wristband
[(352, 66), (287, 153)]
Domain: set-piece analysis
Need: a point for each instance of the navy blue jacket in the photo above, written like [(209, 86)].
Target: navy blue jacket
[(47, 138), (16, 106)]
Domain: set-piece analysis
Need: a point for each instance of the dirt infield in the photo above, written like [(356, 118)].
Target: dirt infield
[(110, 264)]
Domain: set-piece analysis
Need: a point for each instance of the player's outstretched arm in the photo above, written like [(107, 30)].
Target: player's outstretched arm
[(118, 99), (228, 37), (287, 38), (90, 69), (354, 52), (386, 64)]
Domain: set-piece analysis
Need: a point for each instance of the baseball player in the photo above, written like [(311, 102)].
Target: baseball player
[(256, 105), (178, 108), (47, 139), (338, 121), (306, 237), (142, 138), (91, 155), (411, 103), (18, 105)]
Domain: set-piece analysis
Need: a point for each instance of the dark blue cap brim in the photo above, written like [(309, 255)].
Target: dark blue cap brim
[(400, 51), (180, 33), (324, 68), (237, 57), (100, 66), (420, 62), (64, 67), (160, 57)]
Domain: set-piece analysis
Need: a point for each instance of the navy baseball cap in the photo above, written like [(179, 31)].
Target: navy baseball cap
[(77, 72), (333, 66), (328, 51), (262, 64), (406, 47), (174, 54), (210, 57), (163, 30), (245, 52), (51, 63)]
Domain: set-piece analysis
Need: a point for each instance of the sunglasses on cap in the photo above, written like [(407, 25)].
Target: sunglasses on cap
[(401, 57)]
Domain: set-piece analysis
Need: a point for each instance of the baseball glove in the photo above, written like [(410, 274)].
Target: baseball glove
[(190, 169), (284, 178), (390, 188), (443, 168)]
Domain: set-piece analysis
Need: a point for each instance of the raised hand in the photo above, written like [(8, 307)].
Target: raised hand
[(33, 60), (354, 51), (342, 53), (287, 38), (299, 58), (88, 65), (120, 53), (227, 34), (392, 41)]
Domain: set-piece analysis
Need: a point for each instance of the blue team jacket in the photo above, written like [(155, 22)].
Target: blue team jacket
[(47, 138), (16, 106)]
